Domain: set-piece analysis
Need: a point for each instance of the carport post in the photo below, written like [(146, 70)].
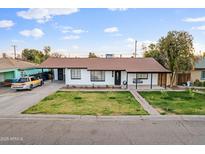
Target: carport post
[(151, 81), (136, 81), (42, 73), (165, 81), (127, 80), (52, 76)]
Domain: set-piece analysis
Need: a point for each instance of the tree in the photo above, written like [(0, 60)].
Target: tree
[(47, 51), (92, 55), (175, 52), (33, 55), (153, 51), (4, 55), (57, 55)]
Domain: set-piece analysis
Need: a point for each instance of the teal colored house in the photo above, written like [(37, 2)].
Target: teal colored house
[(14, 68)]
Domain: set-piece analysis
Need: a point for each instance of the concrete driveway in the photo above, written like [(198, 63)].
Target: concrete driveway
[(13, 103)]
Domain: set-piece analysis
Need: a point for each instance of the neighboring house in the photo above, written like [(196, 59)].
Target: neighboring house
[(14, 69), (107, 71), (198, 73)]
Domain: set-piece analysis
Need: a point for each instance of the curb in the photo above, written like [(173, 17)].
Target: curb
[(104, 118)]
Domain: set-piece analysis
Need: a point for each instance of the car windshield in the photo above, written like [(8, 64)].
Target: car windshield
[(22, 80)]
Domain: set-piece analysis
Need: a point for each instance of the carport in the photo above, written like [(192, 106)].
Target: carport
[(161, 79)]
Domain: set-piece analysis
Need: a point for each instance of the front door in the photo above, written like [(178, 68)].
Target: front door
[(117, 77), (60, 74)]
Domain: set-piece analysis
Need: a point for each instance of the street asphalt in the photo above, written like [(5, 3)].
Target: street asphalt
[(87, 130)]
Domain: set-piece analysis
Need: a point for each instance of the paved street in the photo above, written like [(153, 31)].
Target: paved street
[(101, 131), (13, 102)]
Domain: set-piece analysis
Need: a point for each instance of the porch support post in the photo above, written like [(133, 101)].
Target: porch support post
[(52, 77), (165, 86), (42, 73), (161, 79), (151, 82), (127, 80), (136, 81)]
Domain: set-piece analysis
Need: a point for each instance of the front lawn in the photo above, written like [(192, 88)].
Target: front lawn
[(173, 102), (88, 103)]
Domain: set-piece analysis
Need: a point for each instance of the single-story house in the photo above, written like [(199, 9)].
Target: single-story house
[(107, 71), (198, 73), (14, 68)]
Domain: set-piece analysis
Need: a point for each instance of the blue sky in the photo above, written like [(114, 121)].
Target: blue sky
[(79, 31)]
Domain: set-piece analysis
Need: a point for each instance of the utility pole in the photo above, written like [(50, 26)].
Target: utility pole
[(14, 46), (135, 49)]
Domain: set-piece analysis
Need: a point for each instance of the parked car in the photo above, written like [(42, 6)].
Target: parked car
[(27, 83), (8, 82)]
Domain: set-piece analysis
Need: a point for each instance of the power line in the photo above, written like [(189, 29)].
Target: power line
[(135, 49)]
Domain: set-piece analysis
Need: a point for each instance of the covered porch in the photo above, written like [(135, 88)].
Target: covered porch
[(146, 81)]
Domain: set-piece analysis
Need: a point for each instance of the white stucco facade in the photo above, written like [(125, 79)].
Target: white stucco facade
[(85, 79)]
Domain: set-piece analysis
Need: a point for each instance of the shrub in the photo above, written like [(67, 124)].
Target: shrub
[(164, 94), (204, 84), (191, 93), (77, 97), (111, 97), (197, 83)]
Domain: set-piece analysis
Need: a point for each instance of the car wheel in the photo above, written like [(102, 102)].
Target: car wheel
[(31, 87), (41, 83)]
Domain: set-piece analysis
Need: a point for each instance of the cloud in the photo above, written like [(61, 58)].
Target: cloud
[(199, 28), (199, 19), (75, 47), (130, 40), (6, 23), (199, 47), (71, 37), (69, 29), (15, 41), (118, 9), (44, 15), (140, 44), (78, 31), (111, 30), (36, 33)]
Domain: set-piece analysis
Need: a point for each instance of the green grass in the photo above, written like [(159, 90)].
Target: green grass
[(88, 103), (176, 102)]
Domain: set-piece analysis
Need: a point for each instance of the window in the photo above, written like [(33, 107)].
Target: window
[(75, 74), (142, 76), (33, 79), (203, 75), (22, 80), (138, 80), (97, 75)]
